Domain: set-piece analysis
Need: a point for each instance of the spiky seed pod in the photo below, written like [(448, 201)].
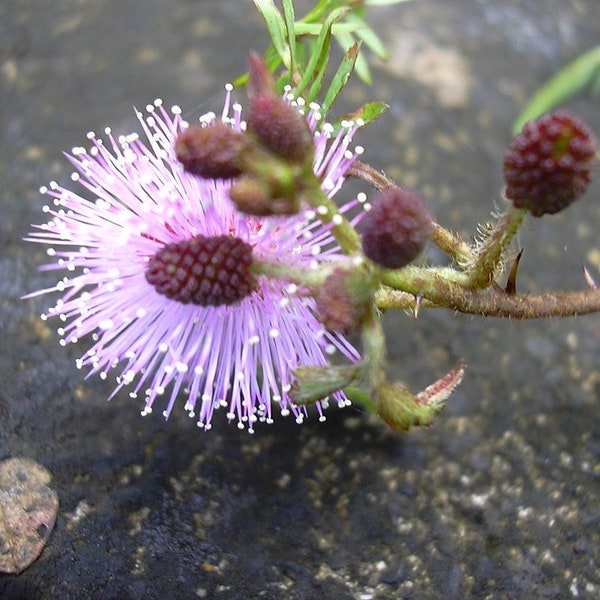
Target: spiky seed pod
[(211, 152), (549, 164), (207, 271), (396, 228), (280, 127)]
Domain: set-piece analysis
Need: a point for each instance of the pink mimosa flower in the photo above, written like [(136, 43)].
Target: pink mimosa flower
[(133, 199)]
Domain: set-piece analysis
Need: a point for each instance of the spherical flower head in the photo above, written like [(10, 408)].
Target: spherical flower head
[(396, 229), (549, 164), (146, 254)]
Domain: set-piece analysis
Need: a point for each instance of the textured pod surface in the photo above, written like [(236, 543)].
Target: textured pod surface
[(280, 127), (210, 152), (208, 271), (549, 164), (396, 228)]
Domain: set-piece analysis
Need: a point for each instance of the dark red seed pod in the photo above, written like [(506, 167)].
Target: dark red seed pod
[(396, 228), (208, 271), (280, 127), (211, 152), (549, 164)]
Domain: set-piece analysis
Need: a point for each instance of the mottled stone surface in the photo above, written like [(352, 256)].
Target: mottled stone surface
[(500, 499)]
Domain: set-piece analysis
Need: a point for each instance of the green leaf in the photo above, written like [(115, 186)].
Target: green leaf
[(320, 51), (276, 28), (290, 20), (383, 2), (368, 36), (341, 77), (346, 41), (367, 113), (362, 69), (322, 9), (315, 28), (570, 80), (319, 76)]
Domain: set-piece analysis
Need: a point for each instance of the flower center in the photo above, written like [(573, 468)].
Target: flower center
[(207, 271)]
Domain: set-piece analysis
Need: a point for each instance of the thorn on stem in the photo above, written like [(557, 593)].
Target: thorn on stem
[(418, 300), (589, 279), (511, 282)]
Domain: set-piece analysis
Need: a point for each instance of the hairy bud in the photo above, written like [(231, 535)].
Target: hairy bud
[(211, 152), (280, 127), (401, 409), (343, 299), (260, 79), (396, 228)]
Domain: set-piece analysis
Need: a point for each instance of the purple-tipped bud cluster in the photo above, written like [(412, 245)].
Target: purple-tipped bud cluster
[(270, 159), (211, 152), (549, 164), (207, 271), (343, 299), (280, 127), (397, 227)]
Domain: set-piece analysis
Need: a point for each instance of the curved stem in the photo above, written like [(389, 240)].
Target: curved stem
[(495, 302)]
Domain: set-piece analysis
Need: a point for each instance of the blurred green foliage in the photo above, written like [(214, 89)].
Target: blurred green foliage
[(580, 74)]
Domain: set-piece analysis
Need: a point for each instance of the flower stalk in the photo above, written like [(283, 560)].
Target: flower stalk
[(491, 302), (488, 256)]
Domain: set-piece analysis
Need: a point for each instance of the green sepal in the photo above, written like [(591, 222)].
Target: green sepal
[(316, 383)]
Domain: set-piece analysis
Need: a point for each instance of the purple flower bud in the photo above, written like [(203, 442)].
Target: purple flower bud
[(260, 79), (211, 152), (343, 299), (280, 127), (396, 228), (549, 164)]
